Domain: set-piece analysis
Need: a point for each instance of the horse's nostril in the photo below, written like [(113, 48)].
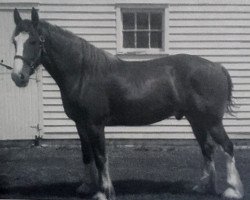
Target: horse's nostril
[(22, 76)]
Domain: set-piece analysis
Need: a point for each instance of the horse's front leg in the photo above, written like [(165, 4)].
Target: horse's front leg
[(106, 190), (89, 186)]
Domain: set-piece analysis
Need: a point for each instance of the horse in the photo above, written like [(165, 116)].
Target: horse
[(98, 89)]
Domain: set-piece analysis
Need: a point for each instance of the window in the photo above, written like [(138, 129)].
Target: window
[(141, 30)]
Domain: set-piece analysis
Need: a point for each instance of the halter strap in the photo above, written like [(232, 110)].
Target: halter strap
[(33, 63)]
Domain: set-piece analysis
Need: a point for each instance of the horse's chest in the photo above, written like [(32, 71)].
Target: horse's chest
[(72, 108), (90, 103)]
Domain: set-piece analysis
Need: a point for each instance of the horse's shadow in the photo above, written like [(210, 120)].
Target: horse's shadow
[(122, 187), (151, 187)]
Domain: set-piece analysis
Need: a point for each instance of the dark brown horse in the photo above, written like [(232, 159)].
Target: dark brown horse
[(99, 89)]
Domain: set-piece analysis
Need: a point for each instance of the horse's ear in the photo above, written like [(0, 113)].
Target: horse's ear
[(17, 18), (34, 17)]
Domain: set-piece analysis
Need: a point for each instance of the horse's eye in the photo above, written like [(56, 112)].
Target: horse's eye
[(14, 42)]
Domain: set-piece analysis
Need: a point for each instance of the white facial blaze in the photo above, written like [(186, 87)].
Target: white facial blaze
[(20, 39)]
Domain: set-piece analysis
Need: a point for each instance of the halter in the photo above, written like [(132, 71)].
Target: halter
[(33, 63)]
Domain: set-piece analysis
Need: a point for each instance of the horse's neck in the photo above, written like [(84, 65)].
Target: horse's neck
[(60, 60), (69, 58)]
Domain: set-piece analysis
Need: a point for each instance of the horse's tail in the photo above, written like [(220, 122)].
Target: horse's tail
[(230, 102)]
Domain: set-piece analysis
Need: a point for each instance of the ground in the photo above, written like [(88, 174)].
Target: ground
[(154, 172)]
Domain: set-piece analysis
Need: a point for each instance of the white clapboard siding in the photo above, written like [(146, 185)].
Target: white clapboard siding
[(76, 8), (218, 31), (95, 23), (216, 45), (79, 16), (237, 67), (205, 38), (215, 16), (210, 9), (208, 23), (213, 52)]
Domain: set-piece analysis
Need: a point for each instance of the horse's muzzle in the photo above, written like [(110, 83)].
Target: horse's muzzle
[(20, 79)]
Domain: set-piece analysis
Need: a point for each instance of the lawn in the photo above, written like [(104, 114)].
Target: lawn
[(141, 172)]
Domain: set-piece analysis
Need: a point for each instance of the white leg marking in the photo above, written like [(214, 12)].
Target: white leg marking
[(235, 190), (20, 39), (105, 176), (106, 183), (100, 196), (208, 179)]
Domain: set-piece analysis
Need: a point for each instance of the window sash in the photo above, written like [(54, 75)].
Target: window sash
[(131, 7), (149, 30)]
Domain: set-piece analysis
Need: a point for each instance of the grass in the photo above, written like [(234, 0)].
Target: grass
[(148, 173)]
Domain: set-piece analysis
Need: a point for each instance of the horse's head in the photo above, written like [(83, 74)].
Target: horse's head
[(28, 48)]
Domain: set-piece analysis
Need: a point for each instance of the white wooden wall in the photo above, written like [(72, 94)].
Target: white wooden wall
[(216, 30), (19, 108)]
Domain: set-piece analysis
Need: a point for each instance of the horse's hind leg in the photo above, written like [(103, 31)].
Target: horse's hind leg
[(207, 182), (235, 189)]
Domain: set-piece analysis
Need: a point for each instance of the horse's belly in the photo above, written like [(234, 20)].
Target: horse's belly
[(140, 115), (146, 102)]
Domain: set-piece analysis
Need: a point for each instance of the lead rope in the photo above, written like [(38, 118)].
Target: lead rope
[(6, 66)]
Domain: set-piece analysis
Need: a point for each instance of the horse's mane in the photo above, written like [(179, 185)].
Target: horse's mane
[(55, 29), (97, 59)]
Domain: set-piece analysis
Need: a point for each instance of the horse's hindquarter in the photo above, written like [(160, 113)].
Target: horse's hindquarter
[(206, 86)]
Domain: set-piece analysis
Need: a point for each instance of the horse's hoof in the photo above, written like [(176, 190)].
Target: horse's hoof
[(102, 196), (112, 196), (231, 193), (198, 189), (99, 196), (86, 189), (111, 193), (204, 189)]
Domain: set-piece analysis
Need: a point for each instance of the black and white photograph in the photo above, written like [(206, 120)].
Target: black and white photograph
[(125, 99)]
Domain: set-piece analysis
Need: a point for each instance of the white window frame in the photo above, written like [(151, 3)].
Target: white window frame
[(138, 8)]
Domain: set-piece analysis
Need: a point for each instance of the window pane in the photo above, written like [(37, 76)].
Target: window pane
[(128, 21), (142, 21), (142, 39), (129, 39), (156, 21), (156, 39)]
